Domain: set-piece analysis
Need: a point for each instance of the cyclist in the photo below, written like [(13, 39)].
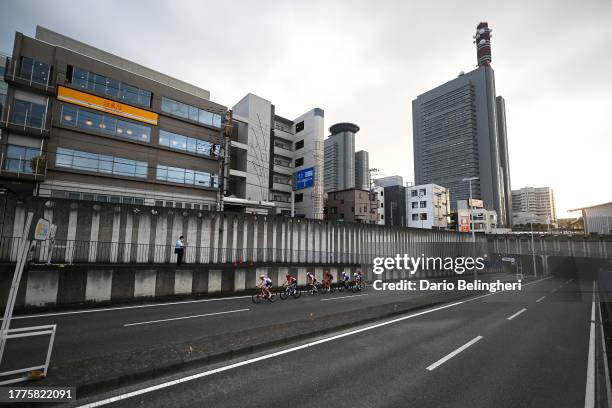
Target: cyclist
[(346, 278), (291, 282), (358, 278), (311, 281), (327, 279), (265, 285)]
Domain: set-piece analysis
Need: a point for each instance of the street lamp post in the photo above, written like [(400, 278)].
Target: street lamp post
[(469, 180)]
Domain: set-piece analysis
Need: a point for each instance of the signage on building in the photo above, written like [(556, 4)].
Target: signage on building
[(304, 178), (474, 202), (105, 105), (464, 223)]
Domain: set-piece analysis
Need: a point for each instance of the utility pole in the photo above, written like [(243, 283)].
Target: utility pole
[(224, 159), (469, 180)]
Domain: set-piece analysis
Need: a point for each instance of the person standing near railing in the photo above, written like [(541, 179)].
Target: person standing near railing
[(179, 250)]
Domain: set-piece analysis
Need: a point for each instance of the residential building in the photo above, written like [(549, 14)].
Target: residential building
[(274, 160), (83, 124), (340, 157), (352, 205), (389, 181), (427, 206), (362, 170), (395, 205), (597, 218), (481, 220), (379, 193), (459, 131), (533, 205)]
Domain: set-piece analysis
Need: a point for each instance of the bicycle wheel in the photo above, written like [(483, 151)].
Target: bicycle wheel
[(332, 288), (297, 293), (256, 298), (284, 294), (341, 287), (272, 298)]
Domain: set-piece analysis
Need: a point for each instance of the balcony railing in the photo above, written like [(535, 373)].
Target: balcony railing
[(14, 74), (19, 167)]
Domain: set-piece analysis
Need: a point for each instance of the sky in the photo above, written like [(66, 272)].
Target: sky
[(365, 61)]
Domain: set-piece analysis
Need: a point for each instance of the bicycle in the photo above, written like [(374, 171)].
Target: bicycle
[(259, 295), (291, 290), (313, 288), (329, 288)]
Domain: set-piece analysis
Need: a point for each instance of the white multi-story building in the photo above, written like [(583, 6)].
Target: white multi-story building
[(268, 152), (597, 218), (389, 181), (533, 204), (482, 220), (427, 206), (379, 192)]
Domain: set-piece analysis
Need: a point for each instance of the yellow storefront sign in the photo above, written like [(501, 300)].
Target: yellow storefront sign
[(105, 105)]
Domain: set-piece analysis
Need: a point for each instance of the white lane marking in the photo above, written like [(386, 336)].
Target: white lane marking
[(540, 299), (343, 297), (517, 313), (185, 317), (279, 353), (453, 354), (589, 394), (110, 309)]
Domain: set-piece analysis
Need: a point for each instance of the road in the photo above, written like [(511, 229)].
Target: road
[(525, 349), (89, 333)]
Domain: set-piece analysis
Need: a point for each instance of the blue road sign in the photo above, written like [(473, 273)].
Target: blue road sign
[(304, 178)]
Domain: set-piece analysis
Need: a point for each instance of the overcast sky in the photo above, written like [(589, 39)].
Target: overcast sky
[(364, 62)]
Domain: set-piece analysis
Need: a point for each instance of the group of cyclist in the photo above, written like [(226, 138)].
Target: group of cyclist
[(265, 282)]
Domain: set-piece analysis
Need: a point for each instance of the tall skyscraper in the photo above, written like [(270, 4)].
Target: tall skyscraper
[(339, 159), (459, 131), (362, 165)]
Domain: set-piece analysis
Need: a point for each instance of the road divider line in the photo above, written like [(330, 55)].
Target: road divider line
[(517, 313), (186, 317), (541, 299), (110, 309), (343, 297), (453, 354), (203, 374), (589, 394)]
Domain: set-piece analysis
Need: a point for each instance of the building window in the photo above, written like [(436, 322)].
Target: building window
[(19, 158), (414, 193), (35, 71), (352, 209), (423, 204), (415, 217), (105, 124), (106, 86), (98, 163), (186, 176), (299, 145), (415, 204), (299, 198), (333, 210), (299, 127), (187, 144), (299, 162), (182, 110), (422, 192), (28, 114), (423, 216)]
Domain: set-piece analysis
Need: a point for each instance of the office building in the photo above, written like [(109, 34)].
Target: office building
[(395, 205), (272, 156), (597, 218), (427, 206), (362, 170), (459, 132), (83, 124), (340, 157), (389, 181), (481, 220), (352, 205), (533, 205), (379, 194)]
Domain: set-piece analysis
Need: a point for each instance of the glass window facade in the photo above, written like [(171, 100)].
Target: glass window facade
[(187, 144), (182, 110), (98, 163), (97, 122), (35, 71), (103, 85), (18, 159), (186, 176), (28, 114)]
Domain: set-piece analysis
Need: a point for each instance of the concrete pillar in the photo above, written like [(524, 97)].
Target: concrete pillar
[(301, 276), (70, 237), (99, 285), (144, 283), (18, 225), (183, 281), (144, 238), (114, 253), (93, 236), (239, 279), (44, 253), (281, 274), (192, 240), (214, 280), (161, 237), (205, 241), (127, 250), (41, 287)]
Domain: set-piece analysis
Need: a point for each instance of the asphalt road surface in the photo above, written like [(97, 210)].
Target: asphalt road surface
[(510, 349)]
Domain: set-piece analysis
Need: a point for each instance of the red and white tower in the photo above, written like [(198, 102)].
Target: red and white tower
[(482, 39)]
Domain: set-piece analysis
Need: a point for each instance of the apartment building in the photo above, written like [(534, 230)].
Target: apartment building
[(276, 164), (477, 218), (533, 205), (83, 124), (427, 206), (379, 194), (352, 205)]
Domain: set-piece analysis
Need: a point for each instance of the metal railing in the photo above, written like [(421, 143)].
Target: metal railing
[(21, 166), (14, 73)]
